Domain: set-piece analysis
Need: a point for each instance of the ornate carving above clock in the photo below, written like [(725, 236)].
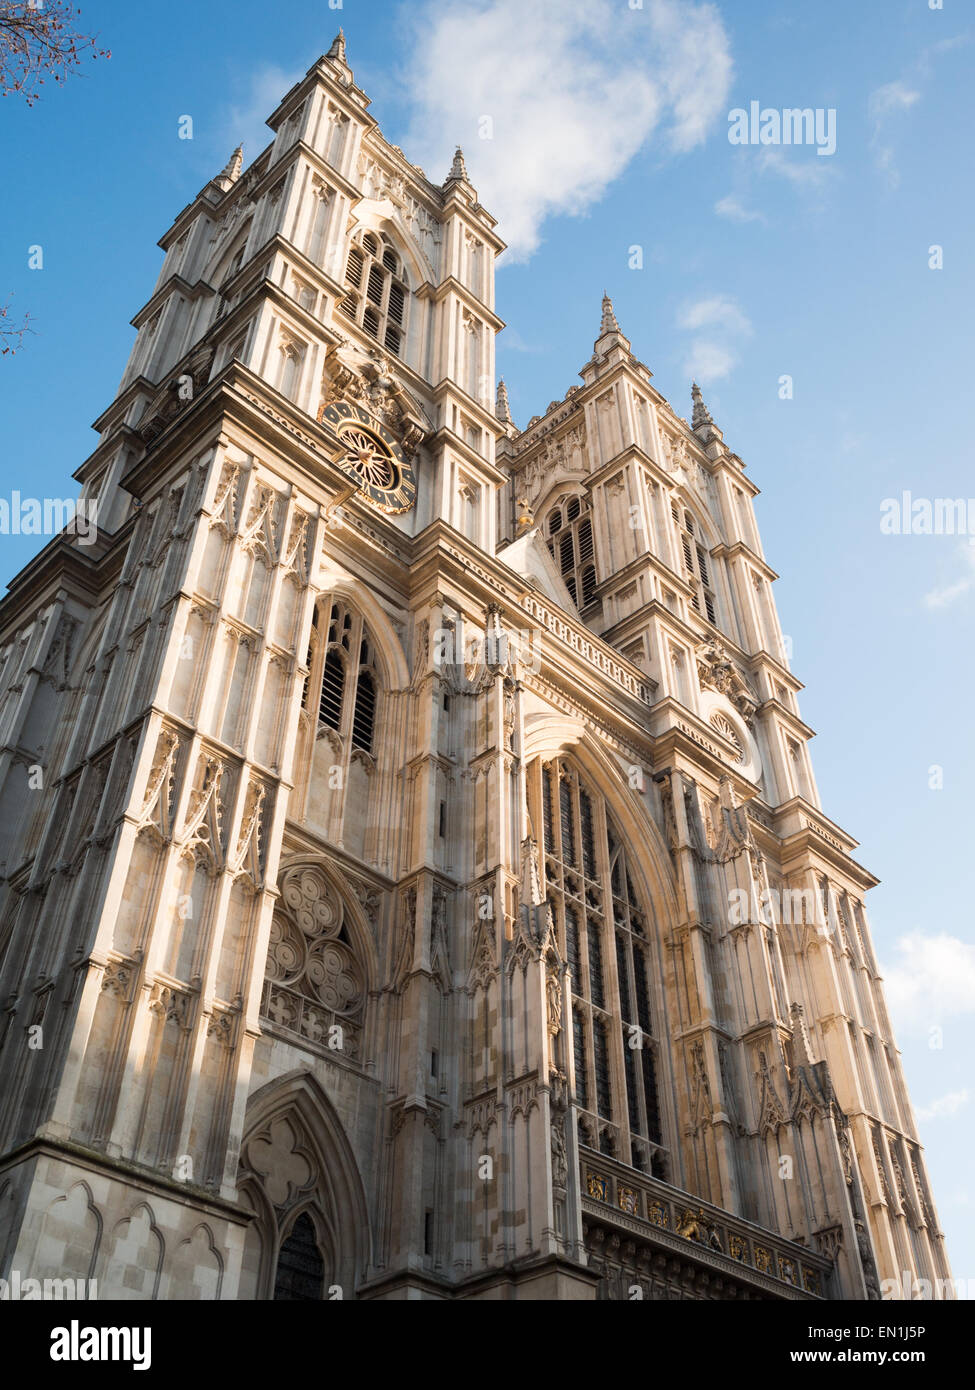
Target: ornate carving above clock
[(378, 420)]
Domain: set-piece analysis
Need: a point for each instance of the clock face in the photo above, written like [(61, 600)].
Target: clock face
[(373, 457)]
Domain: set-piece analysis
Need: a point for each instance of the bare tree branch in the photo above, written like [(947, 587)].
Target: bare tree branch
[(40, 39), (12, 334)]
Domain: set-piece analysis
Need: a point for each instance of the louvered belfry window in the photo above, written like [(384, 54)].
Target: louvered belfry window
[(570, 540), (348, 699), (377, 292), (697, 564), (605, 935)]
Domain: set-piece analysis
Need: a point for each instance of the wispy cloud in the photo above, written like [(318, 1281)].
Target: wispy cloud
[(802, 170), (720, 311), (942, 597), (932, 979), (514, 342), (735, 211), (945, 1106), (707, 361), (246, 120), (529, 89), (721, 325), (884, 103)]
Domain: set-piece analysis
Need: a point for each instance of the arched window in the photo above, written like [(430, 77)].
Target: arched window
[(604, 937), (378, 292), (349, 692), (300, 1274), (570, 540), (697, 563)]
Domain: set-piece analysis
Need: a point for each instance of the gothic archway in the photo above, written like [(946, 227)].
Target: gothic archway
[(300, 1178)]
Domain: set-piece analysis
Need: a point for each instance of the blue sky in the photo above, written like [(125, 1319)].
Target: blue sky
[(757, 262)]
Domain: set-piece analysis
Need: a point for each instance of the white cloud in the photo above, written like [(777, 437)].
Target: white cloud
[(932, 979), (802, 171), (246, 119), (718, 311), (572, 92), (894, 96), (885, 102), (708, 361), (735, 211), (941, 598), (712, 356), (945, 1106)]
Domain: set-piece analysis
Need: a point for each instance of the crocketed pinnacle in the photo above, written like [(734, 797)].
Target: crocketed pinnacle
[(234, 166), (609, 323), (502, 408), (337, 51), (458, 170), (702, 416)]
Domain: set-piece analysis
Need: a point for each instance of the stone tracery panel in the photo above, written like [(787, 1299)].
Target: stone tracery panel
[(315, 983)]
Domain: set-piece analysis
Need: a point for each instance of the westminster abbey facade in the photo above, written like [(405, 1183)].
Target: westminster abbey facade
[(414, 883)]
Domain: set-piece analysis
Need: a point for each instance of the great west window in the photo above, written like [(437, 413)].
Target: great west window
[(604, 934)]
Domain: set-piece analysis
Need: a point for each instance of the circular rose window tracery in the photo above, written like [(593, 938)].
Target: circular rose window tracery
[(727, 730)]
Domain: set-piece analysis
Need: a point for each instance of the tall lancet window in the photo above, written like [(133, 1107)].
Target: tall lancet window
[(569, 532), (604, 932), (349, 687), (378, 292), (697, 563)]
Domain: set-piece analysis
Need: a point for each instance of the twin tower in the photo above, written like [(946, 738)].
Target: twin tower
[(414, 880)]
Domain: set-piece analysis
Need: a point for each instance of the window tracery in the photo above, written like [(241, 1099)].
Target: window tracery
[(348, 698), (315, 983), (604, 937), (697, 563), (568, 527), (378, 292)]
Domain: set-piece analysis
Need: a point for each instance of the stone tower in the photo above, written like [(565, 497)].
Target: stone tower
[(414, 881)]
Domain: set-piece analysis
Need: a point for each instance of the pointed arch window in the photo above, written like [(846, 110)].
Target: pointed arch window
[(604, 937), (570, 541), (378, 293), (349, 693), (697, 563)]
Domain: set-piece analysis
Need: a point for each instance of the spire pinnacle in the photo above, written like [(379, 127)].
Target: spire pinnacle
[(502, 409), (609, 323), (702, 416), (229, 175), (337, 51), (458, 170)]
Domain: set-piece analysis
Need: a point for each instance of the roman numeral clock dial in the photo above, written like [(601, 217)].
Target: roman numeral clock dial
[(373, 457)]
